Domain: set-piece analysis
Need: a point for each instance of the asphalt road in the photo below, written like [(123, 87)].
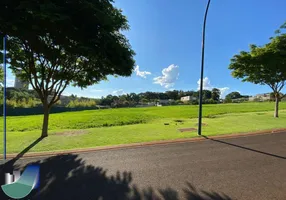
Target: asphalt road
[(250, 168)]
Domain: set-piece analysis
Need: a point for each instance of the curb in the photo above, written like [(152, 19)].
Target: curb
[(144, 144)]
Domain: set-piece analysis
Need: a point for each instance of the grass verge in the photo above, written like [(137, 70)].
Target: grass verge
[(64, 139)]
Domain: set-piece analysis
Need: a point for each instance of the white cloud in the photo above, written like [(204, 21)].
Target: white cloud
[(169, 77), (118, 92), (141, 73), (207, 86), (223, 91)]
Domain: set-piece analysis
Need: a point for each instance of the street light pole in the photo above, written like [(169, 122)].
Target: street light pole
[(202, 72)]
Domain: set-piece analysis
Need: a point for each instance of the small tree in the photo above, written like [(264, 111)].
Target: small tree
[(215, 94), (265, 65), (60, 43)]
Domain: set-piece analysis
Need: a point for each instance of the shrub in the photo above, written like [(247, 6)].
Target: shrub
[(210, 101), (179, 102), (82, 103), (23, 103), (195, 102), (227, 100)]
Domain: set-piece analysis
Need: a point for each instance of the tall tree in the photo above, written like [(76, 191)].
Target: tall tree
[(216, 94), (135, 97), (233, 95), (59, 43), (207, 94), (264, 65)]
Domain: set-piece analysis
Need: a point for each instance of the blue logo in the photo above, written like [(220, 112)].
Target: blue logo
[(18, 186)]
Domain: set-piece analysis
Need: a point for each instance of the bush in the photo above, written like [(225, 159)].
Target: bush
[(210, 101), (173, 103), (23, 103), (227, 100), (82, 103), (194, 102)]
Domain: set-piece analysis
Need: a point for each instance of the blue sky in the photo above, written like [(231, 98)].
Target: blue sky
[(166, 36)]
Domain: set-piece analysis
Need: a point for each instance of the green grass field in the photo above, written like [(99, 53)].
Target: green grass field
[(84, 129)]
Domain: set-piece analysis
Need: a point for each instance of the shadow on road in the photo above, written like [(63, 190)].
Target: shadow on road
[(67, 177), (246, 148), (22, 153)]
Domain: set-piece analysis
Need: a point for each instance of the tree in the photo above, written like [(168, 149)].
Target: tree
[(1, 85), (272, 96), (227, 99), (216, 94), (162, 95), (173, 94), (181, 94), (207, 94), (75, 43), (264, 65), (150, 95), (233, 95), (1, 75), (135, 97)]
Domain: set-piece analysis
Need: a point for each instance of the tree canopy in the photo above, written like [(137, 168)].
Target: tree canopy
[(59, 43), (233, 95), (264, 65), (216, 94)]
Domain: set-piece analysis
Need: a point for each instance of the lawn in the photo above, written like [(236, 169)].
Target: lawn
[(84, 129)]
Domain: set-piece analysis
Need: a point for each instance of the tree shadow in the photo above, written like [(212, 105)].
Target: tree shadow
[(67, 177), (245, 148), (22, 153)]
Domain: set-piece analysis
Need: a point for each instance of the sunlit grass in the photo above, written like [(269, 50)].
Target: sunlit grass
[(86, 128)]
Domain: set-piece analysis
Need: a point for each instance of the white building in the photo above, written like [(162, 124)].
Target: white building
[(188, 98), (161, 102), (261, 97)]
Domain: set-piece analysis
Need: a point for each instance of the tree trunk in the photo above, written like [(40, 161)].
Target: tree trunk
[(45, 121), (276, 106)]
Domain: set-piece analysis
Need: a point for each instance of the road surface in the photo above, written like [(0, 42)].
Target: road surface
[(250, 168)]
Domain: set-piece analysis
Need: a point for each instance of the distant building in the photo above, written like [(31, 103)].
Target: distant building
[(188, 98), (161, 102), (20, 84), (261, 97)]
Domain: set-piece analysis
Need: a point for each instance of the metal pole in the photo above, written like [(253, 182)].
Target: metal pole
[(4, 101), (202, 72)]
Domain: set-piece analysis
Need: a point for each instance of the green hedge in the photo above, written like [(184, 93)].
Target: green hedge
[(39, 110)]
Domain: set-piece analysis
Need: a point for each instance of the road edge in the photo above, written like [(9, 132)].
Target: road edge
[(143, 144)]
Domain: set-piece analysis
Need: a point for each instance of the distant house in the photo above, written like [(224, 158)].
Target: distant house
[(261, 97), (188, 98), (161, 102)]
